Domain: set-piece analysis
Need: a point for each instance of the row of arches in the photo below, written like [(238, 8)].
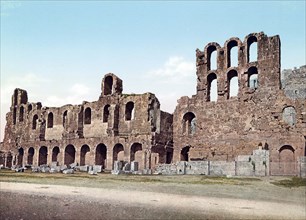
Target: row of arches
[(232, 48), (69, 153), (129, 115), (232, 83), (22, 112)]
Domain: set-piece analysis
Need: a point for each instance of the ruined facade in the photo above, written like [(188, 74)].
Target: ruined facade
[(244, 115), (259, 115), (117, 126)]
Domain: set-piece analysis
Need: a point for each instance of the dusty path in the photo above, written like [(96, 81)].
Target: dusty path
[(36, 201)]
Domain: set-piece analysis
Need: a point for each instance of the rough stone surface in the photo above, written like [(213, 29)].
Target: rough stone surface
[(261, 114), (205, 134)]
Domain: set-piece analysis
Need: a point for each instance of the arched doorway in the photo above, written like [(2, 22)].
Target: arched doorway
[(30, 155), (84, 150), (137, 155), (55, 153), (101, 155), (20, 156), (118, 153), (43, 155), (9, 160), (69, 154), (287, 162), (185, 153)]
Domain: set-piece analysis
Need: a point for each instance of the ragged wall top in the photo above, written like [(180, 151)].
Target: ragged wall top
[(266, 65), (294, 82), (113, 114), (235, 124)]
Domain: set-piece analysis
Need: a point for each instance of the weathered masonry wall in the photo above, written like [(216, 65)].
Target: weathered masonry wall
[(251, 107), (256, 164), (245, 119), (117, 126)]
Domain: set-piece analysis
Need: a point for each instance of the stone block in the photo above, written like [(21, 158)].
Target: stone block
[(84, 168), (181, 167), (63, 167), (126, 167), (54, 164), (93, 172), (134, 166), (68, 171), (97, 168)]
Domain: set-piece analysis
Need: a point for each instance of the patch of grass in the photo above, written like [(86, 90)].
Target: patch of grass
[(293, 182), (83, 179)]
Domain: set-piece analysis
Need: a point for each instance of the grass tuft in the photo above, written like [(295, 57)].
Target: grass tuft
[(293, 182)]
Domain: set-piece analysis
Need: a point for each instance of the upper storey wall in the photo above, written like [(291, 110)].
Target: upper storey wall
[(266, 65), (112, 114)]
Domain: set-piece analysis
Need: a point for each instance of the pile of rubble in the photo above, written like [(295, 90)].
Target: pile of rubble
[(124, 167), (65, 169)]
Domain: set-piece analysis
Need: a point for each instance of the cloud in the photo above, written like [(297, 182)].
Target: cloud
[(175, 69), (75, 95), (39, 89), (174, 79)]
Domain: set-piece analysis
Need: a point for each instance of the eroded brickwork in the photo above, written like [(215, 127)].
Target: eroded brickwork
[(241, 106), (129, 127), (259, 115)]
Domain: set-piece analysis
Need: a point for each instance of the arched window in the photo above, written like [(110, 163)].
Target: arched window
[(129, 111), (252, 54), (65, 118), (87, 116), (232, 81), (106, 113), (232, 53), (34, 122), (185, 153), (212, 87), (289, 115), (14, 115), (253, 78), (21, 112), (108, 85), (212, 58), (189, 123), (50, 120), (29, 108)]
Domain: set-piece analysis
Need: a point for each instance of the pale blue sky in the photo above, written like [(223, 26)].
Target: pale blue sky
[(59, 51)]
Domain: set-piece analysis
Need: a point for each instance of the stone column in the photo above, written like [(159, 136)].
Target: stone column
[(77, 155), (49, 156), (109, 159), (176, 155), (61, 157), (25, 158), (35, 157), (5, 160)]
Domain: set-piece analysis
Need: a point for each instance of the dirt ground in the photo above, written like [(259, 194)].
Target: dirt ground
[(46, 196)]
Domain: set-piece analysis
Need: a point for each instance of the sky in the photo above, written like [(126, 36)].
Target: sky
[(59, 51)]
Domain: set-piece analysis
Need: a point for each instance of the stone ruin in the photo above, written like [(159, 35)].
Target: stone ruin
[(246, 118)]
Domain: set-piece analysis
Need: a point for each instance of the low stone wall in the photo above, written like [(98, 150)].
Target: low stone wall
[(256, 164), (302, 165)]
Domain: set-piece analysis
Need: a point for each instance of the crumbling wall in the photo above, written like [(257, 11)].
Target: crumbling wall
[(293, 82), (221, 128), (116, 126), (256, 164)]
